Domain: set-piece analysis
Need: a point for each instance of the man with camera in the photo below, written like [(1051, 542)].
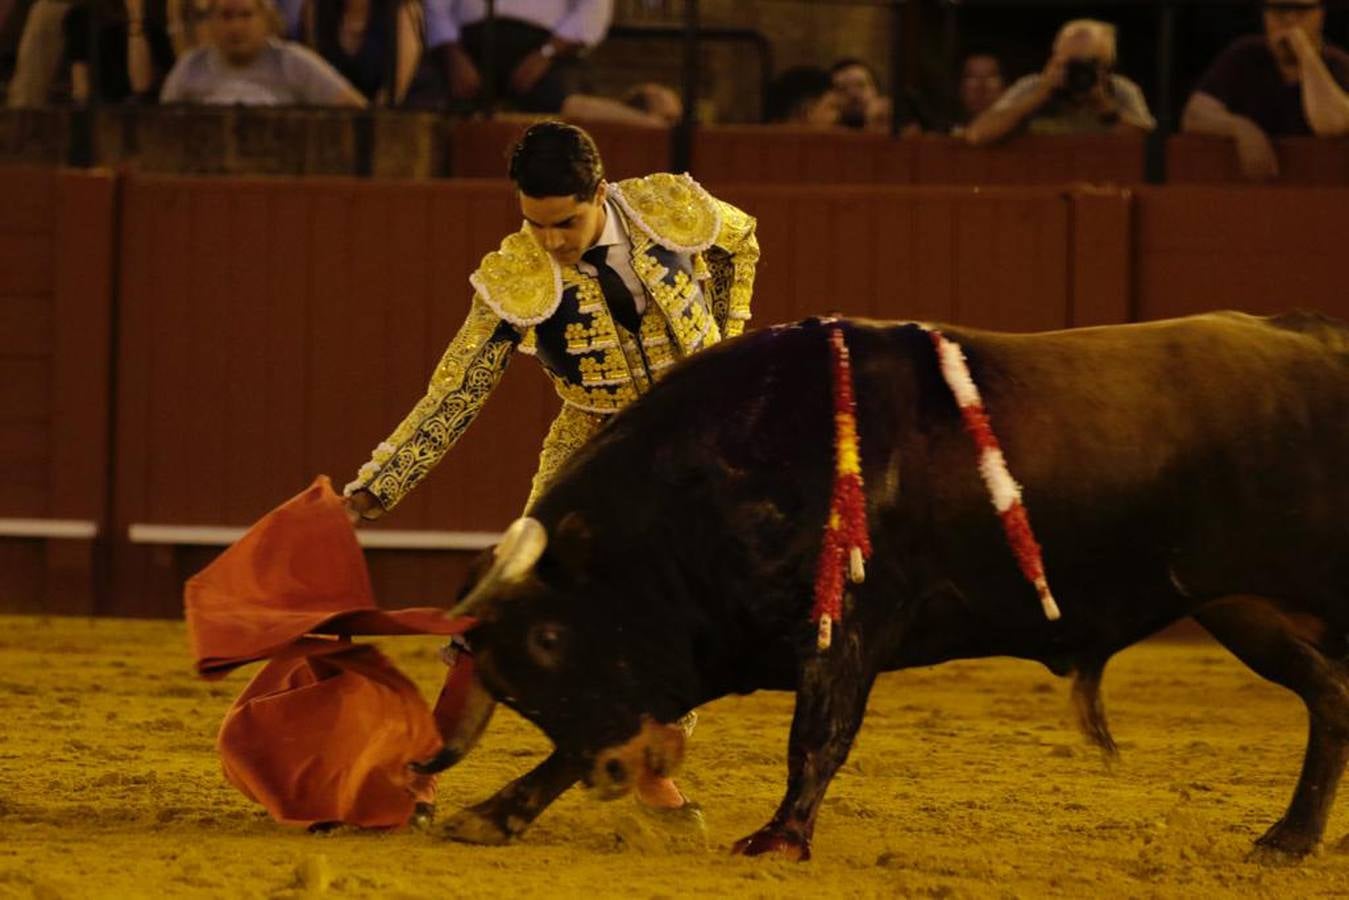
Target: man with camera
[(1288, 82), (1077, 93)]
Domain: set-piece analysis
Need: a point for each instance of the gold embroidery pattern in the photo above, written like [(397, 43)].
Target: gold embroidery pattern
[(740, 255), (529, 343), (605, 369), (468, 371), (520, 281), (718, 287), (599, 332), (583, 338), (597, 398), (632, 351), (690, 321), (660, 351), (571, 429), (673, 210)]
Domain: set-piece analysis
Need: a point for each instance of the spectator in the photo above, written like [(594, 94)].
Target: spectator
[(1077, 93), (41, 49), (1288, 82), (802, 95), (134, 52), (860, 102), (536, 47), (981, 84), (188, 21), (362, 39), (246, 63)]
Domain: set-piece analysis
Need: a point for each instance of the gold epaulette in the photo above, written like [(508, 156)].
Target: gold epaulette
[(519, 281), (672, 210)]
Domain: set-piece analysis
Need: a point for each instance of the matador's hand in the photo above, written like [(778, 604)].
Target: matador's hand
[(362, 505)]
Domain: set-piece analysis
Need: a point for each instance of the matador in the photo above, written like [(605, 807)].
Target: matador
[(608, 285)]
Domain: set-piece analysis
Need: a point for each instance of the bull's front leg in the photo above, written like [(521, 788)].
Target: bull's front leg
[(830, 701), (510, 810)]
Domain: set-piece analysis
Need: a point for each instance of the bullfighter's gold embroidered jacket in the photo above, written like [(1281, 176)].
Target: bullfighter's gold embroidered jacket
[(695, 256)]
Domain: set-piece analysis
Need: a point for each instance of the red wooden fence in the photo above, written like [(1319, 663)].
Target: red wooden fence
[(1263, 250), (270, 330), (56, 261), (1303, 161)]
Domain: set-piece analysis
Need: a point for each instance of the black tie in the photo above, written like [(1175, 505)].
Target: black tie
[(616, 294)]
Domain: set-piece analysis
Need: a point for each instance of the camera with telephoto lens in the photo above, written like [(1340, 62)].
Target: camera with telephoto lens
[(1080, 76)]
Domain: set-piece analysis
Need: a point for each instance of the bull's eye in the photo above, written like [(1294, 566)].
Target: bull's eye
[(545, 643)]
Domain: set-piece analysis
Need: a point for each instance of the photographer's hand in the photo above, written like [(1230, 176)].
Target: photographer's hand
[(1102, 99), (1054, 76)]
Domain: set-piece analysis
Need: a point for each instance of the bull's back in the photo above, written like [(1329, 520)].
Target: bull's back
[(1127, 404), (1205, 452)]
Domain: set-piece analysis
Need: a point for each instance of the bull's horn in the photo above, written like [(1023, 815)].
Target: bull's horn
[(520, 548)]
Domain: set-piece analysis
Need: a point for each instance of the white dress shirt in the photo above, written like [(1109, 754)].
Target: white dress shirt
[(581, 21), (614, 235)]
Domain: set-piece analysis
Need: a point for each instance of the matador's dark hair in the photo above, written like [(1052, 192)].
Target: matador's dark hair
[(554, 159)]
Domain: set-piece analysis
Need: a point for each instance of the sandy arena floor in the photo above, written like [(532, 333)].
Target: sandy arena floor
[(967, 780)]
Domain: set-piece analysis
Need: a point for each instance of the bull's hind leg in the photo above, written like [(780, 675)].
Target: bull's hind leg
[(830, 702), (1262, 637)]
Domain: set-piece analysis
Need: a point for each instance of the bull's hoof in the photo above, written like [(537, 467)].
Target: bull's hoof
[(1283, 845), (686, 819), (772, 839), (423, 815), (470, 827)]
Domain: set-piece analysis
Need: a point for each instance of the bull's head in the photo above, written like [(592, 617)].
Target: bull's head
[(564, 640)]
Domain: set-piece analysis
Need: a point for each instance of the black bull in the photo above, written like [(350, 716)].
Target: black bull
[(1193, 467)]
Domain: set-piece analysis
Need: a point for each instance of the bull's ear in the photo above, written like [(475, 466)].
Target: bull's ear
[(571, 543)]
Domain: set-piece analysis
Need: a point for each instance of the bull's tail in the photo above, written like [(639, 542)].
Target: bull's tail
[(1090, 710)]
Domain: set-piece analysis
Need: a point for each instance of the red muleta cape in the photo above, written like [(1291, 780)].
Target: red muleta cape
[(325, 731)]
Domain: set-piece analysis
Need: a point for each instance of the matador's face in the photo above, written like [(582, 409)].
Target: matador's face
[(564, 226)]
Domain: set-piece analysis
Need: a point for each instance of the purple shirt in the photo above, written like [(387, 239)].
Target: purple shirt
[(1245, 78)]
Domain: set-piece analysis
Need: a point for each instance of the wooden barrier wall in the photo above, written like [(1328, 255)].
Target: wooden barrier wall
[(1263, 250), (56, 263), (997, 258), (271, 330), (276, 330), (1303, 161), (752, 154), (404, 144)]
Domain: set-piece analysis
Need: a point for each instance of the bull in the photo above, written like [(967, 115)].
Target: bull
[(1190, 467)]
